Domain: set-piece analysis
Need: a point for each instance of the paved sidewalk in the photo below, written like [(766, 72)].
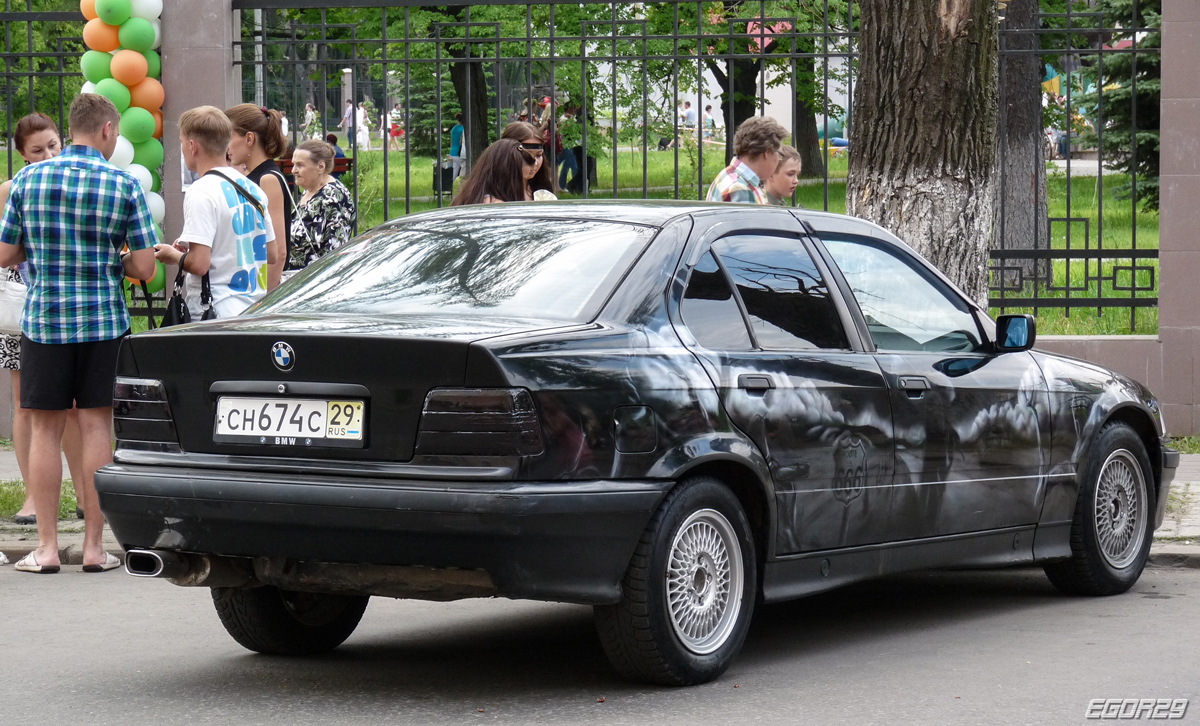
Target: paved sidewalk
[(1176, 543)]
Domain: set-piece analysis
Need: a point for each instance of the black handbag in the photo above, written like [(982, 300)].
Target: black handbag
[(177, 310)]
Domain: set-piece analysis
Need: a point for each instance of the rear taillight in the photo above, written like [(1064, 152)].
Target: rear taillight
[(479, 422), (142, 417)]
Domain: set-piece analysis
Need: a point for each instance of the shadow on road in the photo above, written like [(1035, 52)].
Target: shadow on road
[(518, 650)]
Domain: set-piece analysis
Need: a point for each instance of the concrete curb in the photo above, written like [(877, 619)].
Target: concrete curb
[(1175, 556)]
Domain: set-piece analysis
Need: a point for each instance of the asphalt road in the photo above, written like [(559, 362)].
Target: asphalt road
[(999, 647)]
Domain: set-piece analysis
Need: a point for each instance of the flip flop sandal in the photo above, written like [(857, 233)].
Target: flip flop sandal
[(111, 562), (29, 564)]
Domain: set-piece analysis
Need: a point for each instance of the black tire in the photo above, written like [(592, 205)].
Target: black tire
[(282, 622), (645, 637), (1113, 524)]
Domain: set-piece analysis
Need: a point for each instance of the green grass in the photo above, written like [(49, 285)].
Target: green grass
[(1186, 444), (1114, 230), (12, 496)]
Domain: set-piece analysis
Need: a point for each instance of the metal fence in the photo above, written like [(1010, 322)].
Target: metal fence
[(617, 76)]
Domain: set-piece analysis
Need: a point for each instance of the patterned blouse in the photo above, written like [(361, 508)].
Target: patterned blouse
[(322, 224)]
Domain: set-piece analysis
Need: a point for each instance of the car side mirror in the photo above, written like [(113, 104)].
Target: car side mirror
[(1015, 333)]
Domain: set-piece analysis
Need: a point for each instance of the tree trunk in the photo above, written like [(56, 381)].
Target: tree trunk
[(922, 163), (738, 80), (470, 86), (806, 140), (1022, 206)]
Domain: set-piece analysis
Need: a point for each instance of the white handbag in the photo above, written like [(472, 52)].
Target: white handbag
[(12, 304)]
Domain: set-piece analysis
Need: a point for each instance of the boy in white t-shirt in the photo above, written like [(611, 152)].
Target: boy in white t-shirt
[(225, 234)]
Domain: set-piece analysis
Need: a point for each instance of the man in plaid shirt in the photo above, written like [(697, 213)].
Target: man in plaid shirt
[(756, 147), (70, 217)]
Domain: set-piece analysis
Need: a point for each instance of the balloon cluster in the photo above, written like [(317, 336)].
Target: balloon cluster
[(123, 65)]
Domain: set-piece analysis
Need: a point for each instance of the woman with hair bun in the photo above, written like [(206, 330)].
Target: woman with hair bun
[(257, 142)]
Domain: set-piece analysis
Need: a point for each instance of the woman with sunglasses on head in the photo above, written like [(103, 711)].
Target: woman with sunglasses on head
[(258, 140), (539, 177), (36, 139), (501, 174)]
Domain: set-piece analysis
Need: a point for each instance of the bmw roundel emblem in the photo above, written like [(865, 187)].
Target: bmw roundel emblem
[(283, 356)]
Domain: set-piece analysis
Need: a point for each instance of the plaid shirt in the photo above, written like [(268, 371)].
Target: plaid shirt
[(737, 183), (74, 213)]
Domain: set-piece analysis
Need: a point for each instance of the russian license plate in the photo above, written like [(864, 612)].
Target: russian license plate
[(289, 422)]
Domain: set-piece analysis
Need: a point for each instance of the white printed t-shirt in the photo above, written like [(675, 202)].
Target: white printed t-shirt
[(216, 216)]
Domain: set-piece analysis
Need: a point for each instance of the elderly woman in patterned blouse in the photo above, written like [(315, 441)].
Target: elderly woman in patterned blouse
[(324, 216)]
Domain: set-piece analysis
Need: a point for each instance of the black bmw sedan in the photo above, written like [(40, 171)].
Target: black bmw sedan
[(669, 411)]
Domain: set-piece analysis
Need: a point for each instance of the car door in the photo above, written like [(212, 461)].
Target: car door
[(972, 426), (759, 314)]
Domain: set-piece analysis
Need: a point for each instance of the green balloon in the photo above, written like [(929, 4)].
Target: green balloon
[(154, 62), (115, 91), (95, 65), (148, 153), (156, 181), (137, 124), (114, 12), (159, 281), (137, 34)]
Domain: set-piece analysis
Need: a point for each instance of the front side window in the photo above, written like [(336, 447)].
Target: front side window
[(904, 308), (786, 299)]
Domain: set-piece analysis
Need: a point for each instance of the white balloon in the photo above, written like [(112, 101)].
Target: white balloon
[(123, 156), (158, 208), (143, 176), (157, 24), (88, 87), (148, 9)]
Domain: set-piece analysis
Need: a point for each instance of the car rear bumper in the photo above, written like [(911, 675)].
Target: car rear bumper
[(561, 541)]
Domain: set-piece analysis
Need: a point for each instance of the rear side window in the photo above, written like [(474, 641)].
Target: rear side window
[(786, 298), (710, 310)]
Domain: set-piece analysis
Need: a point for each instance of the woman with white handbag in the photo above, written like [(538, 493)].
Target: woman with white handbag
[(36, 139)]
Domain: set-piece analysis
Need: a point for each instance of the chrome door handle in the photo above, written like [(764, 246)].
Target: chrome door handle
[(755, 383), (914, 386)]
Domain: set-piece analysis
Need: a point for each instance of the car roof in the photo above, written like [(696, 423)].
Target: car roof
[(651, 212)]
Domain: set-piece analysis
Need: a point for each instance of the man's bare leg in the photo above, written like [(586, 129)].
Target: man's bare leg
[(95, 428), (72, 446), (45, 479)]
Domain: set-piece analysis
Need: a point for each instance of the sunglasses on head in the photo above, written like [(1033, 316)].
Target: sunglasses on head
[(532, 146)]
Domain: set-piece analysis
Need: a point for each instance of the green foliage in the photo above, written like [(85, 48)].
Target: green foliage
[(424, 111), (1130, 138), (40, 66)]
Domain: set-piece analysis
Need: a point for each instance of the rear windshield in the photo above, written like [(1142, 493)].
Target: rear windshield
[(511, 268)]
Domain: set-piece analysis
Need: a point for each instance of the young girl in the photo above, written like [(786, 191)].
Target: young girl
[(780, 185)]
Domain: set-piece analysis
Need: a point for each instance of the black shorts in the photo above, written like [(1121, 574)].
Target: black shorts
[(57, 376)]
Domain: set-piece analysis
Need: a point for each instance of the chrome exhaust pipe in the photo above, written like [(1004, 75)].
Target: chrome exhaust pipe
[(155, 563)]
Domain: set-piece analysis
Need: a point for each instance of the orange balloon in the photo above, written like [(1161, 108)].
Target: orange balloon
[(158, 124), (129, 67), (148, 94), (99, 35), (88, 8)]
